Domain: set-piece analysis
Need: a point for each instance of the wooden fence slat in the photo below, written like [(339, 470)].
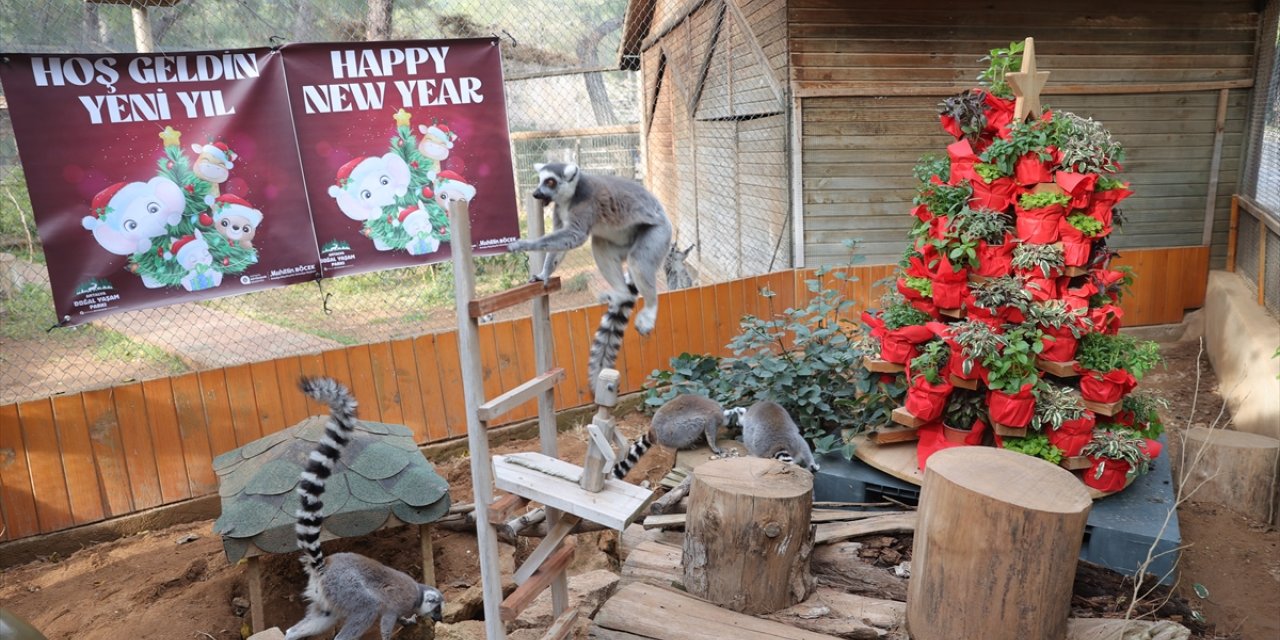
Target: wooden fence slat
[(167, 443), (581, 330), (312, 365), (266, 395), (436, 407), (83, 488), (293, 403), (217, 409), (450, 381), (527, 362), (698, 342), (629, 357), (139, 452), (16, 499), (194, 428), (409, 388), (44, 460), (362, 386), (336, 367), (108, 450), (384, 381), (506, 358), (566, 395), (677, 327), (663, 343), (244, 407)]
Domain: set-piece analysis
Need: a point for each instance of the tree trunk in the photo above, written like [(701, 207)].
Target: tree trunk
[(996, 547), (1236, 470), (378, 25), (747, 537), (588, 49), (91, 25)]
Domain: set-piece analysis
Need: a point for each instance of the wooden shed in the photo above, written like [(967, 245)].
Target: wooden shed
[(776, 129)]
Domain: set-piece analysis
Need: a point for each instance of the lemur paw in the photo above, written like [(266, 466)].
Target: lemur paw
[(518, 246), (646, 320), (537, 278)]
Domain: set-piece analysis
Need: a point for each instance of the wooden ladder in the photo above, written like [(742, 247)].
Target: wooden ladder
[(571, 493)]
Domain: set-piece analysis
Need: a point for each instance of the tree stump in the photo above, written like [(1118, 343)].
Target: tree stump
[(1236, 469), (995, 549), (747, 537)]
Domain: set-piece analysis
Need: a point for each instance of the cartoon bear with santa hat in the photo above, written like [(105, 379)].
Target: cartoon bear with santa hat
[(235, 219), (451, 187), (126, 216), (367, 184)]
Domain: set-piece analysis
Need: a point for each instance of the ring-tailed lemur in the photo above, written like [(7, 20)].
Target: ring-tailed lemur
[(624, 220), (679, 275), (679, 424), (608, 340), (349, 586), (769, 432)]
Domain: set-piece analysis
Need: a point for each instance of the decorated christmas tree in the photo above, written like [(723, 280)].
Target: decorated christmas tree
[(1006, 313)]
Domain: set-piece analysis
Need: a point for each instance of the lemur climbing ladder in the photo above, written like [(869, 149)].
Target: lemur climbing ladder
[(571, 493)]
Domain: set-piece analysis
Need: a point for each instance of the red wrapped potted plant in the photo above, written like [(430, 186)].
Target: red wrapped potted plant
[(1011, 375), (1038, 215), (1118, 456), (1040, 266), (1108, 193), (962, 160), (1078, 186), (1111, 365), (903, 329), (1061, 326), (998, 301), (964, 418), (927, 384), (986, 234)]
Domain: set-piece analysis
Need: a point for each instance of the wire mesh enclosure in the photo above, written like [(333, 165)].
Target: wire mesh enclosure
[(571, 96)]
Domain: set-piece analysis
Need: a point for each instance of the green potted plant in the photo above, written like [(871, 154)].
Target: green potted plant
[(1140, 411), (1055, 406), (927, 383), (1107, 193), (1040, 265), (989, 232), (965, 410), (1029, 153), (1036, 445), (1011, 375), (1062, 327), (1118, 456), (972, 341), (899, 328), (999, 300), (1078, 231), (1111, 365), (1038, 215)]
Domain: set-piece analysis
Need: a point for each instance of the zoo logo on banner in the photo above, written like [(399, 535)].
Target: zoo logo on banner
[(139, 217)]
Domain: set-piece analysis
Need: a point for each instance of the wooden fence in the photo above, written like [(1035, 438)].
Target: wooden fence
[(78, 458)]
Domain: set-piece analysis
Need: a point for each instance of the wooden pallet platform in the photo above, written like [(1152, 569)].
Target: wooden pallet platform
[(904, 418), (961, 383), (1104, 408), (1061, 369), (554, 483), (892, 434), (1075, 463), (882, 366)]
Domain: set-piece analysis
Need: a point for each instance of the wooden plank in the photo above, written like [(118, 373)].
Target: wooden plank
[(961, 383), (360, 362), (632, 610), (757, 51), (507, 356), (408, 389), (525, 593), (894, 434), (83, 489), (447, 358), (519, 395), (17, 502), (581, 328), (387, 387), (882, 366), (554, 483), (837, 89), (44, 464), (108, 452), (311, 365), (903, 417), (336, 365), (526, 360), (217, 407), (434, 406), (837, 531), (504, 508), (193, 429), (512, 297), (1262, 269), (162, 418), (1075, 463), (676, 520), (293, 403), (1103, 408), (566, 393), (1060, 369), (266, 394), (1216, 164), (244, 405), (543, 552), (135, 440), (1005, 431), (1233, 233), (562, 627)]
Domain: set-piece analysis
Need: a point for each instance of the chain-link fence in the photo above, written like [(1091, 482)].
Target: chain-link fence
[(572, 94), (1258, 244)]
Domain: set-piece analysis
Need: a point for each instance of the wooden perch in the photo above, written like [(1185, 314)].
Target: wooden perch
[(646, 611), (899, 522), (677, 520)]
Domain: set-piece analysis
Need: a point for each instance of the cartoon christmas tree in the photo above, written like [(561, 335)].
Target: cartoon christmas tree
[(1006, 313)]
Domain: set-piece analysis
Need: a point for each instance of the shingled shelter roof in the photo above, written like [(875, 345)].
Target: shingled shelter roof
[(382, 478)]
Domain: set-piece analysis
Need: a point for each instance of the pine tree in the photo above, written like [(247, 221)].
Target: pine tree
[(387, 227)]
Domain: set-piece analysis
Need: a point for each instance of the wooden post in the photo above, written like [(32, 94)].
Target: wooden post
[(544, 358), (464, 275), (1232, 468), (1262, 263), (142, 39), (1233, 233), (1214, 167), (606, 399), (747, 534), (428, 555), (995, 547), (257, 616)]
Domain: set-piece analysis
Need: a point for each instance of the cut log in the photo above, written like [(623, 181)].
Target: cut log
[(838, 566), (654, 563), (748, 538), (897, 522), (1236, 469), (995, 549), (1104, 629), (836, 613), (668, 502), (662, 614)]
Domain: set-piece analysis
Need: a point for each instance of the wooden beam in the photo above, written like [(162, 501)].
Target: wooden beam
[(562, 627), (903, 417), (895, 523), (525, 593), (705, 67), (511, 297), (1262, 268), (762, 60), (582, 132), (545, 548), (1233, 233), (795, 140), (428, 555), (1215, 166), (257, 615), (1263, 214), (893, 433), (672, 23), (502, 509), (519, 395), (646, 611), (829, 89)]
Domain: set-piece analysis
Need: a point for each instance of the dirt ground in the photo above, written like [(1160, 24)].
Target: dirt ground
[(165, 585)]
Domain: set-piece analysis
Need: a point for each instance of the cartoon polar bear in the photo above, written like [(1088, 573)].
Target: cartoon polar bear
[(367, 184), (126, 216)]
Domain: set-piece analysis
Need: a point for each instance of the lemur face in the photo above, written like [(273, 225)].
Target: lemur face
[(556, 181), (432, 603)]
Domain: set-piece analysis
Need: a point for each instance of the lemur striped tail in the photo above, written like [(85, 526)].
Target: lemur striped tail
[(337, 433), (608, 340), (638, 449)]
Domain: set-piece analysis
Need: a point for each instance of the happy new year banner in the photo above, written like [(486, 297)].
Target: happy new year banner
[(389, 134), (158, 179)]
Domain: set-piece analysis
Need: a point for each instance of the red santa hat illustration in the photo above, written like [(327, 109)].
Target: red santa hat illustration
[(344, 172), (177, 246), (233, 205), (102, 201), (404, 213), (219, 151)]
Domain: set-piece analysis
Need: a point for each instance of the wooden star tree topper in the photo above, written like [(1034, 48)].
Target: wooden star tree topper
[(1026, 84)]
